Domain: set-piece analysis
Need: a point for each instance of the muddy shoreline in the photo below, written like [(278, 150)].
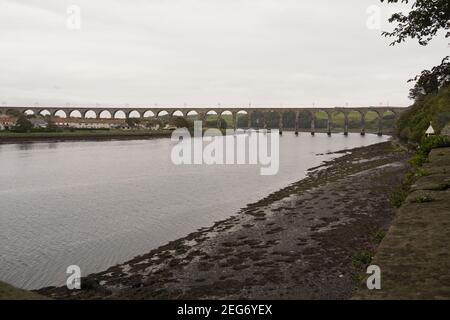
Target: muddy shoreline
[(90, 137), (310, 240)]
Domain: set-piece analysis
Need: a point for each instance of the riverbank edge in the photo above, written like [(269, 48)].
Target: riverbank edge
[(92, 284), (8, 292), (81, 136), (40, 137), (413, 257)]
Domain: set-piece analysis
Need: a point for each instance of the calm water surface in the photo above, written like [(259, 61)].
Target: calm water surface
[(96, 204)]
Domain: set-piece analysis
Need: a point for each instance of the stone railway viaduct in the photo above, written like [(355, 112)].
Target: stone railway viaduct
[(202, 113)]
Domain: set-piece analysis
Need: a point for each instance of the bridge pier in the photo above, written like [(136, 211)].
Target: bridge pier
[(219, 121), (202, 117), (297, 114), (346, 124), (313, 125), (235, 121), (328, 124), (280, 123), (363, 124), (380, 125)]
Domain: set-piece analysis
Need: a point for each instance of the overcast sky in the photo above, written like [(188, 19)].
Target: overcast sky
[(204, 52)]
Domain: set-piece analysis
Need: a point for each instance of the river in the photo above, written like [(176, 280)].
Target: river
[(96, 204)]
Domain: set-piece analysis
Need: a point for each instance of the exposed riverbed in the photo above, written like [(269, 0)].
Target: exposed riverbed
[(306, 241), (96, 204)]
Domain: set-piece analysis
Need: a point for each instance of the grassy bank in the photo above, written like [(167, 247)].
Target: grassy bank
[(434, 108), (11, 137), (8, 292)]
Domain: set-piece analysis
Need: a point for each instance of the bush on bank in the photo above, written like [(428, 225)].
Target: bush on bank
[(434, 108)]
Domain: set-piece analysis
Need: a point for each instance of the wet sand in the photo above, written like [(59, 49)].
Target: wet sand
[(310, 240)]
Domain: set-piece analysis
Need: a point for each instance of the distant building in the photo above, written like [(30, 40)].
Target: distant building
[(7, 122), (38, 123), (77, 123), (170, 127)]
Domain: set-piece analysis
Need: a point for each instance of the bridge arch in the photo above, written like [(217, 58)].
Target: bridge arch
[(225, 113), (162, 113), (60, 113), (387, 120), (75, 114), (211, 118), (119, 114), (105, 114), (177, 113), (134, 114), (44, 113), (29, 112), (148, 114), (90, 114), (212, 112), (372, 120), (192, 113), (242, 119)]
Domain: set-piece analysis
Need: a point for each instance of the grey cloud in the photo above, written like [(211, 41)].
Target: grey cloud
[(202, 52)]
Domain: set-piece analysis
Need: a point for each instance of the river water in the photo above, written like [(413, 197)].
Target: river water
[(96, 204)]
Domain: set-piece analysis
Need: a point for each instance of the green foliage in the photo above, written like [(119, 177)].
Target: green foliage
[(425, 19), (433, 108), (181, 122), (423, 22), (379, 236), (428, 143), (422, 199), (23, 124), (51, 126), (398, 197), (430, 81), (418, 160), (433, 142), (362, 259), (132, 121)]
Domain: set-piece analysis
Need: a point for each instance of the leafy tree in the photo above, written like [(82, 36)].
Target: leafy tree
[(433, 108), (181, 122), (23, 124), (430, 81), (423, 22), (132, 121), (51, 126)]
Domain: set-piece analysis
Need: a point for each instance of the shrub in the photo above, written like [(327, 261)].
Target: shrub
[(433, 108)]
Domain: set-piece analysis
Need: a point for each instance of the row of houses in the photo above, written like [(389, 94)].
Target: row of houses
[(7, 122), (76, 123)]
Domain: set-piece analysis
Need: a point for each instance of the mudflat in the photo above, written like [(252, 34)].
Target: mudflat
[(310, 240)]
